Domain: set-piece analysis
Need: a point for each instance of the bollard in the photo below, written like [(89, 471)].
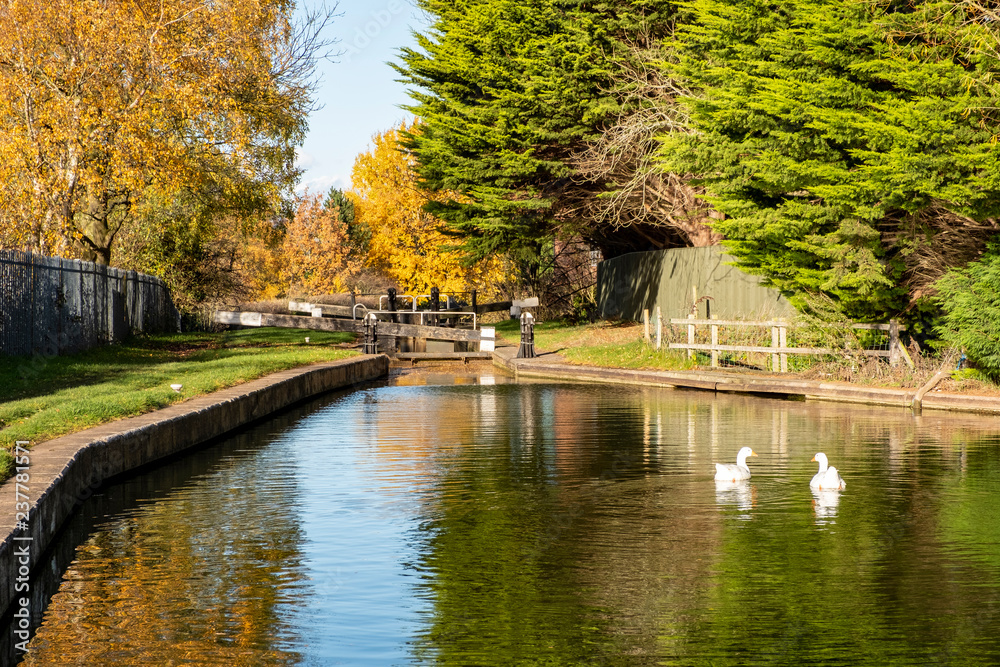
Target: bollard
[(435, 305), (371, 334), (392, 302), (527, 349)]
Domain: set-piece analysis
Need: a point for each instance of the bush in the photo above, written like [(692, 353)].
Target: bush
[(970, 301)]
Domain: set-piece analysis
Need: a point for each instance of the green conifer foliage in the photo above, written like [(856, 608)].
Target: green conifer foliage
[(823, 128), (505, 91), (359, 233), (970, 299)]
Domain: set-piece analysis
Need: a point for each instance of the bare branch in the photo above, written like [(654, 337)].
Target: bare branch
[(639, 195)]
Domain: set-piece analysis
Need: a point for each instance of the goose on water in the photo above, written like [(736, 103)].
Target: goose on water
[(827, 479), (734, 472)]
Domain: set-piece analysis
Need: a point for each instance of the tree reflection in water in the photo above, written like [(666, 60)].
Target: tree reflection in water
[(448, 522)]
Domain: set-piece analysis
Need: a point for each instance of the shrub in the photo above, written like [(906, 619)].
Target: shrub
[(970, 301)]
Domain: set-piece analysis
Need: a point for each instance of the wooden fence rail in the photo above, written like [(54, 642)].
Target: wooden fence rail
[(779, 349)]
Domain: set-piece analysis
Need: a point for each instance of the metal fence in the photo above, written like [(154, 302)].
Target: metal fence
[(55, 306)]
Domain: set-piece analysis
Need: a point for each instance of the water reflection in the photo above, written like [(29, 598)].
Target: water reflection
[(214, 561), (492, 523), (741, 493), (825, 502)]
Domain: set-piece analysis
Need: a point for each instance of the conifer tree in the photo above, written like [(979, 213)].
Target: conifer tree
[(506, 92), (844, 141)]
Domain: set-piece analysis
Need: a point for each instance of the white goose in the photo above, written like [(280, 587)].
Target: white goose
[(733, 472), (827, 479)]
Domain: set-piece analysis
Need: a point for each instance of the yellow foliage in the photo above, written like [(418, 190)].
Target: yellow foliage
[(260, 261), (407, 242), (100, 100)]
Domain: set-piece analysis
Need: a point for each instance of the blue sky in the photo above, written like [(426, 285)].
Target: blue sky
[(359, 93)]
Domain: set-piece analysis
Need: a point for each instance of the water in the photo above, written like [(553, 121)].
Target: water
[(460, 520)]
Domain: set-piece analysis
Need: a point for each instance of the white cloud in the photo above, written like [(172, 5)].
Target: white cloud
[(304, 159), (322, 183)]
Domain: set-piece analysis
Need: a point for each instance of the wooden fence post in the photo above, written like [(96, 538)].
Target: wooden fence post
[(775, 343), (691, 335), (894, 342), (715, 341), (783, 343), (645, 324), (659, 328)]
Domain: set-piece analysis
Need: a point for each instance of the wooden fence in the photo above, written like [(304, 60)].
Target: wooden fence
[(778, 350), (52, 306)]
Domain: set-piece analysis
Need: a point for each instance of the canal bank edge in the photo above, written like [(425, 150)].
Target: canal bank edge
[(541, 367), (65, 471)]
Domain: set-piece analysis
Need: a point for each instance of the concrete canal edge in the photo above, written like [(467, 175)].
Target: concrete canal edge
[(64, 472), (541, 367)]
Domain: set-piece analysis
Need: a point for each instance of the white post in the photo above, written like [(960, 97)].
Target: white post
[(488, 340)]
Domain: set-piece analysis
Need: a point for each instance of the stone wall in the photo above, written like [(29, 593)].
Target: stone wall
[(64, 472)]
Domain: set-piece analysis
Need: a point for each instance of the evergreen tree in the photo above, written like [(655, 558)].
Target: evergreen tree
[(358, 233), (970, 299), (506, 91), (840, 139)]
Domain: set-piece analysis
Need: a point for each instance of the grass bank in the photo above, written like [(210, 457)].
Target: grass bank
[(43, 398), (611, 344), (622, 345)]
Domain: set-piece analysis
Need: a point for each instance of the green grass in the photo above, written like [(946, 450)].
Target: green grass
[(609, 344), (636, 355), (43, 398)]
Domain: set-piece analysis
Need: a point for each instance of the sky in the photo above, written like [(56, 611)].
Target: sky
[(359, 93)]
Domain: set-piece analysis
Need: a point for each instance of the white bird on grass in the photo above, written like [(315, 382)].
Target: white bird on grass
[(827, 479), (734, 472)]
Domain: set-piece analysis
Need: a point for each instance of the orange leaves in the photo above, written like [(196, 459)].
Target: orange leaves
[(317, 251), (100, 100)]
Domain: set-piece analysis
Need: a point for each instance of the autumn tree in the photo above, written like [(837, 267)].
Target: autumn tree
[(317, 253), (407, 243), (102, 100), (202, 254)]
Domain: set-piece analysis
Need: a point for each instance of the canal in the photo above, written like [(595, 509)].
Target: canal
[(469, 519)]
